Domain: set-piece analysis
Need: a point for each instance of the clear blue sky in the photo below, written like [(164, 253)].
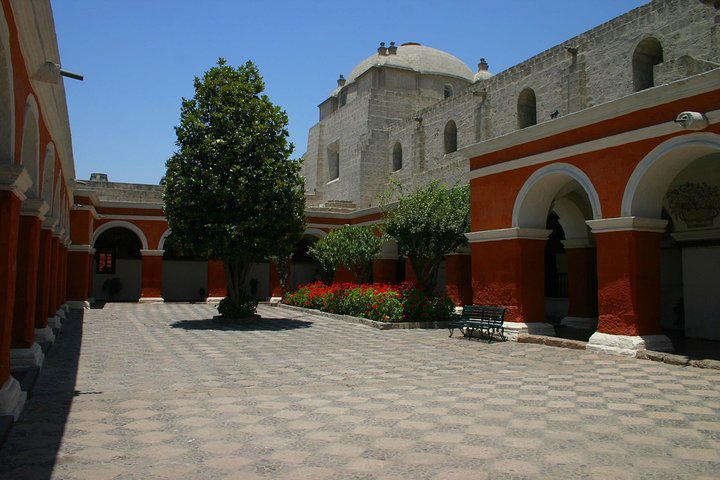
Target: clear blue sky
[(139, 57)]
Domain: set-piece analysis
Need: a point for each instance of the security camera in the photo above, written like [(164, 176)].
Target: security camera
[(692, 120)]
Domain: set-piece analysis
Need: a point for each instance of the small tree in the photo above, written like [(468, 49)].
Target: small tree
[(428, 224), (231, 192), (353, 248)]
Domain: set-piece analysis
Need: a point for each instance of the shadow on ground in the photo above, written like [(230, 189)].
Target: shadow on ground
[(30, 450), (254, 324)]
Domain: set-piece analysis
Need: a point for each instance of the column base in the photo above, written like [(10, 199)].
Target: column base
[(55, 323), (628, 345), (66, 307), (80, 304), (588, 323), (44, 335), (513, 329), (151, 300), (12, 398), (213, 300), (22, 359), (61, 313)]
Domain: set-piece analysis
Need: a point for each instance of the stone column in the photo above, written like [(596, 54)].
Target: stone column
[(25, 352), (152, 264), (508, 269), (14, 182), (63, 276), (54, 320), (79, 268), (385, 269), (42, 298), (582, 284), (458, 278), (217, 284), (628, 264)]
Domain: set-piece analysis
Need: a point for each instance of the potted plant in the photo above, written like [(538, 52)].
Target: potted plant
[(695, 203)]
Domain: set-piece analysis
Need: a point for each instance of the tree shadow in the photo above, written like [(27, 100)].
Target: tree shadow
[(249, 324), (41, 425)]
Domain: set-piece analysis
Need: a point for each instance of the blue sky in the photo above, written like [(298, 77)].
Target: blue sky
[(139, 57)]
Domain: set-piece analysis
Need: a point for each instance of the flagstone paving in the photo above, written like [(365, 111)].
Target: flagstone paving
[(142, 391)]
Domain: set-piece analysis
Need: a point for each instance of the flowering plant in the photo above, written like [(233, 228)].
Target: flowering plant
[(385, 303)]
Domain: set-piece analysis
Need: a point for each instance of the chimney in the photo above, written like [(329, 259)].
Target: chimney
[(482, 66), (98, 177), (341, 81), (382, 50), (393, 49)]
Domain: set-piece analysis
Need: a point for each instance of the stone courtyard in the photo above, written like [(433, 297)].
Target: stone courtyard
[(135, 391)]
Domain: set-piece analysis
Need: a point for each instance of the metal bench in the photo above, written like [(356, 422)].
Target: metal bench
[(485, 319)]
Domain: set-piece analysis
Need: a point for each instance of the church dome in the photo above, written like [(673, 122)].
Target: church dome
[(415, 57)]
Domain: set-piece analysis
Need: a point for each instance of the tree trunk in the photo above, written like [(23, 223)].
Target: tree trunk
[(235, 275), (426, 272)]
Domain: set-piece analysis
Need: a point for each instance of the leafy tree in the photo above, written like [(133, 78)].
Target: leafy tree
[(428, 224), (353, 248), (231, 192)]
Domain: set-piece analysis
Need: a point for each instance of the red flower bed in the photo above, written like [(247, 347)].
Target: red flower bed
[(386, 303)]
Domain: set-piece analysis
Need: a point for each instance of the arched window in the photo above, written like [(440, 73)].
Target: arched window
[(448, 91), (450, 137), (397, 157), (648, 53), (333, 161), (527, 108)]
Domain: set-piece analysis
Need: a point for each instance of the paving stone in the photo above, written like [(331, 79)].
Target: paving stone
[(160, 391)]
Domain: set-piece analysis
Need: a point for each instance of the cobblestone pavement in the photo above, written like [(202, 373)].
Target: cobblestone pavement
[(159, 391)]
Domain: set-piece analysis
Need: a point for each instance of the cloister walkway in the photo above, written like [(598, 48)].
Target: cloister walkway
[(158, 391)]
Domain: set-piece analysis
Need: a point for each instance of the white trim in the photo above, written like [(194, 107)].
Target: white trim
[(80, 248), (675, 154), (34, 207), (6, 55), (317, 232), (627, 345), (153, 218), (350, 214), (12, 398), (44, 335), (697, 235), (31, 118), (24, 358), (165, 235), (16, 179), (152, 253), (622, 224), (687, 87), (543, 195), (132, 205), (118, 223), (513, 233), (88, 208)]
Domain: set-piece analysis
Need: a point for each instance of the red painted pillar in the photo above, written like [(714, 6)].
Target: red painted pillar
[(385, 271), (217, 284), (458, 280), (79, 265), (43, 280), (28, 253), (91, 273), (9, 227), (54, 276), (508, 269), (628, 264), (582, 284), (152, 263)]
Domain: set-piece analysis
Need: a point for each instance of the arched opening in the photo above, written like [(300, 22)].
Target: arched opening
[(7, 99), (450, 136), (118, 265), (448, 91), (48, 174), (560, 198), (680, 181), (527, 108), (30, 154), (304, 268), (333, 161), (397, 157), (184, 276), (647, 54)]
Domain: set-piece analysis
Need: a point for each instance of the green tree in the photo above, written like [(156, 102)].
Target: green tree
[(351, 247), (427, 224), (231, 192)]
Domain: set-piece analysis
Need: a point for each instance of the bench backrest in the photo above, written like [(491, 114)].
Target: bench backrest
[(486, 313)]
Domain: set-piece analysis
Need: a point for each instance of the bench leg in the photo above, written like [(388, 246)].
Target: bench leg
[(451, 331)]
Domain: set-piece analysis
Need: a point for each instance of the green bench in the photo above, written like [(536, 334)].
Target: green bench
[(484, 319)]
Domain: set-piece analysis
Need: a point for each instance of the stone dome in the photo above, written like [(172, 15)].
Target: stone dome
[(418, 58)]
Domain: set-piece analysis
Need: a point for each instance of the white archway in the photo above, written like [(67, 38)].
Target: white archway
[(542, 187), (30, 153), (48, 173), (650, 180), (7, 98), (165, 235), (121, 223), (315, 232)]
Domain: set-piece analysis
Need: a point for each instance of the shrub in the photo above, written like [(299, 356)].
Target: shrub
[(385, 303), (243, 309)]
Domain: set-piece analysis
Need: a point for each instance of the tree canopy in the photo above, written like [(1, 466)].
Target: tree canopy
[(351, 247), (427, 224), (231, 191)]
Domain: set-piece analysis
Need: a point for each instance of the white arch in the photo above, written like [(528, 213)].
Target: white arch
[(7, 97), (316, 232), (121, 223), (653, 175), (30, 153), (161, 243), (572, 219), (540, 189), (48, 174)]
